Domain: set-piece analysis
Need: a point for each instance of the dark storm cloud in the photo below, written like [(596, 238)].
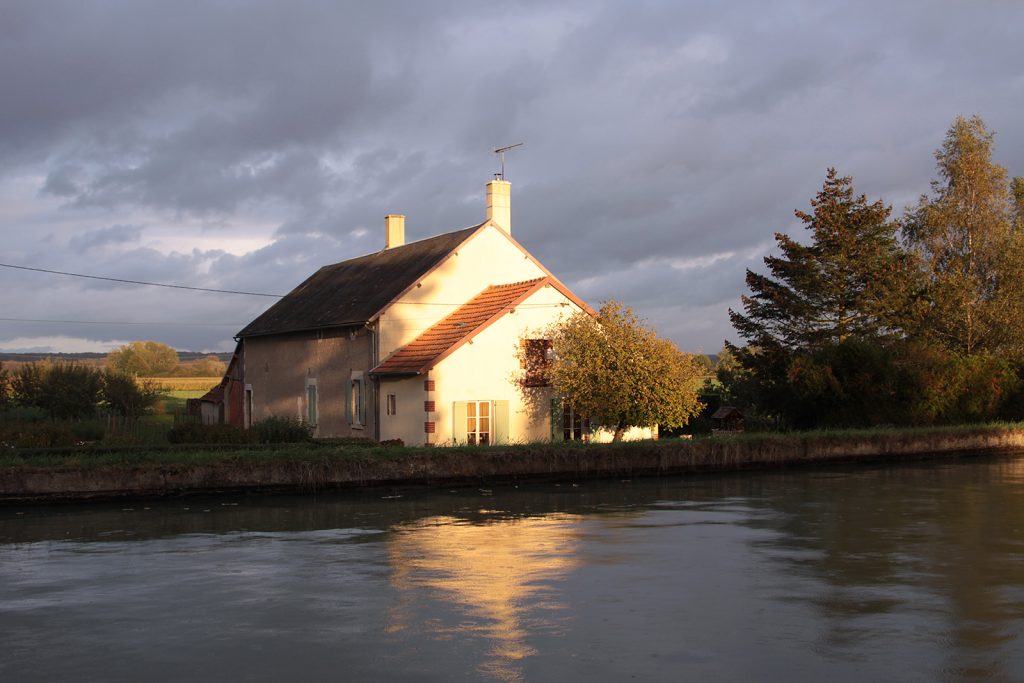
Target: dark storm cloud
[(664, 141)]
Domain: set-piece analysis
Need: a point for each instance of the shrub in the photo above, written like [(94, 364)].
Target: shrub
[(195, 432), (282, 430), (24, 414), (35, 435), (127, 397), (87, 430)]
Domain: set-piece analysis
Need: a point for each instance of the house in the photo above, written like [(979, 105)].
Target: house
[(419, 342)]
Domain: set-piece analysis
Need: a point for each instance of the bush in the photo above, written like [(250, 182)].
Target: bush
[(195, 432), (282, 430), (35, 435), (87, 430), (127, 397), (24, 414)]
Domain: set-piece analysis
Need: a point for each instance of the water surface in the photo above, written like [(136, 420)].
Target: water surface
[(911, 573)]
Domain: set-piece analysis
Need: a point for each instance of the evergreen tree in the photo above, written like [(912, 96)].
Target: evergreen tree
[(842, 285), (971, 253)]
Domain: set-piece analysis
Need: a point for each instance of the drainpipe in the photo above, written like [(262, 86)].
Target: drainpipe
[(374, 355)]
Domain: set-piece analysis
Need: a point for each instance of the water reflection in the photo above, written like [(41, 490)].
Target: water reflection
[(497, 572), (909, 558), (886, 573)]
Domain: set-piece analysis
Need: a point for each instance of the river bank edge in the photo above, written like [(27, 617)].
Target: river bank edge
[(326, 468)]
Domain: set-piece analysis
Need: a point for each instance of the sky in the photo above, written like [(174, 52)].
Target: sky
[(242, 145)]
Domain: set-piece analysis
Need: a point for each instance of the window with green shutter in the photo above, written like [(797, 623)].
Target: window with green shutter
[(500, 422), (311, 404)]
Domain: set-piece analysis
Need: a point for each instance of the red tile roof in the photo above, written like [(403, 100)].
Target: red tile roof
[(451, 332)]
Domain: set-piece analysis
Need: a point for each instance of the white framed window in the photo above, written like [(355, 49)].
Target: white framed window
[(392, 405), (478, 423), (574, 426)]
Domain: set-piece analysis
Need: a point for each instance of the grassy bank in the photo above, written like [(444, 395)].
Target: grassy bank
[(105, 455), (103, 471)]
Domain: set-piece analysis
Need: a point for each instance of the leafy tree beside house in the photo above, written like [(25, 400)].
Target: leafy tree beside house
[(619, 373)]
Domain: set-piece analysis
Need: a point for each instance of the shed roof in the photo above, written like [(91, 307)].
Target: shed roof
[(353, 291), (457, 328), (725, 412)]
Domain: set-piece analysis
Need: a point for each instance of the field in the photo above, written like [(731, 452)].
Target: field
[(183, 384)]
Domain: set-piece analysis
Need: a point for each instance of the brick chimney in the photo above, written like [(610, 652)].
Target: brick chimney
[(394, 230), (499, 204)]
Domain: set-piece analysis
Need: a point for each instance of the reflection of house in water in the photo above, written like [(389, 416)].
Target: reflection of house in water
[(495, 574)]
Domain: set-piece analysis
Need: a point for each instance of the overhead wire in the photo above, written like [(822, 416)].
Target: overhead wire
[(140, 282), (108, 322)]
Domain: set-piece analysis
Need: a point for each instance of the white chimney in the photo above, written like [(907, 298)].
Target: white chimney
[(499, 204), (394, 230)]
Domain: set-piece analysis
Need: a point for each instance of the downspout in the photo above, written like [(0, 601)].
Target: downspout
[(374, 355)]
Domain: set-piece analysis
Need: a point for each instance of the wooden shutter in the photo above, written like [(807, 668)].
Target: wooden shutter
[(362, 402), (348, 401), (459, 414), (556, 420), (311, 407), (500, 422)]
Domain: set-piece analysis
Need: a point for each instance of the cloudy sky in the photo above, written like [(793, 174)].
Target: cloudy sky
[(242, 145)]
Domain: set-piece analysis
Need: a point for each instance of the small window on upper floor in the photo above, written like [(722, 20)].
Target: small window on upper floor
[(536, 362), (392, 405)]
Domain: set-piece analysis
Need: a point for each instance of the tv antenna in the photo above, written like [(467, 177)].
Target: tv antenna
[(501, 153)]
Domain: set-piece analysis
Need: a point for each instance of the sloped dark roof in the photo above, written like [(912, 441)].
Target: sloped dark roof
[(725, 412), (462, 324), (352, 291)]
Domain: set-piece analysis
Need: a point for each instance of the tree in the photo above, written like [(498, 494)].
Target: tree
[(127, 397), (843, 284), (619, 373), (973, 257), (851, 282), (143, 358)]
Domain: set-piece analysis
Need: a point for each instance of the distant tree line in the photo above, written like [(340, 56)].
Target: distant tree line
[(154, 359), (873, 320)]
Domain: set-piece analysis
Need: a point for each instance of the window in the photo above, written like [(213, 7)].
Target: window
[(574, 427), (355, 400), (248, 406), (536, 362), (392, 405), (478, 423), (311, 404)]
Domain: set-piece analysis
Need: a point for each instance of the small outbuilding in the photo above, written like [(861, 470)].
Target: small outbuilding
[(727, 419)]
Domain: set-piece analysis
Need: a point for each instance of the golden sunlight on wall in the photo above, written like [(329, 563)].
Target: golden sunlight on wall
[(499, 574)]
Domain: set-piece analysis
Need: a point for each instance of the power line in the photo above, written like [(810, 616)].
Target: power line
[(139, 282), (101, 322)]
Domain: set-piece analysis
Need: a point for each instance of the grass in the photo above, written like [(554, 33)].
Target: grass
[(160, 453), (869, 432)]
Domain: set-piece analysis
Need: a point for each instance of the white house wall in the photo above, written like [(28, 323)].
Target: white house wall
[(487, 369), (408, 422), (487, 258)]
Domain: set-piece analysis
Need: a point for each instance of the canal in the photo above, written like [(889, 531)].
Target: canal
[(882, 573)]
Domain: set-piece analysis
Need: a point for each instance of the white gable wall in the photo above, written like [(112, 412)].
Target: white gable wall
[(488, 258), (487, 370)]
